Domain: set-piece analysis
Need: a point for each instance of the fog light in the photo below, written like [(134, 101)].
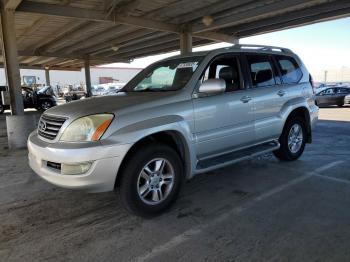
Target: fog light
[(75, 169)]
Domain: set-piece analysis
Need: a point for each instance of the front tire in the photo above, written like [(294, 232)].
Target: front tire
[(151, 180), (45, 105), (292, 140)]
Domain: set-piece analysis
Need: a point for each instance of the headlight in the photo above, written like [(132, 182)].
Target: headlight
[(87, 128)]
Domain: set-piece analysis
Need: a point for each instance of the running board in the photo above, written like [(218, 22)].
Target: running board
[(236, 156)]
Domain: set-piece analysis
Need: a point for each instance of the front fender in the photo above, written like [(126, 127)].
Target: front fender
[(135, 132)]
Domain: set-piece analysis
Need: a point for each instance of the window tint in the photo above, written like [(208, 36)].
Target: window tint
[(290, 71), (261, 70), (225, 67)]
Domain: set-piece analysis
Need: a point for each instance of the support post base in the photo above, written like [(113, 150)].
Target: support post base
[(18, 129)]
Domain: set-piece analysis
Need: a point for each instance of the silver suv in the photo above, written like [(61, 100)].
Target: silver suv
[(177, 118)]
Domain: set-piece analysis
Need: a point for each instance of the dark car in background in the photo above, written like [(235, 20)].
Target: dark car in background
[(41, 99), (332, 96)]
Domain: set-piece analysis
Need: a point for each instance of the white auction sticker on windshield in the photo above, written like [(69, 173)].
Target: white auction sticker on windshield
[(187, 65)]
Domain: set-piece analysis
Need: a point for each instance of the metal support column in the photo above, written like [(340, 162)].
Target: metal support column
[(10, 54), (87, 76), (47, 76), (185, 42), (236, 41)]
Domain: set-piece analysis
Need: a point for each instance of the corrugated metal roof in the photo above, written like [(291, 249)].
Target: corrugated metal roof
[(60, 34)]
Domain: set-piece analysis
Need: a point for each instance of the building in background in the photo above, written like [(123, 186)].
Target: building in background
[(99, 75)]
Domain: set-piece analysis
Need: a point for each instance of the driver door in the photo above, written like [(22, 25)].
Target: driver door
[(224, 122)]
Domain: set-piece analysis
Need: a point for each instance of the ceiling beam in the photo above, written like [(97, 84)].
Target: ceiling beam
[(31, 29), (186, 14), (316, 13), (170, 46), (52, 46), (23, 66), (27, 60), (60, 55), (12, 4), (216, 36), (71, 25), (162, 41), (121, 39), (93, 15), (82, 42), (160, 50), (282, 24), (135, 41), (80, 34), (274, 8)]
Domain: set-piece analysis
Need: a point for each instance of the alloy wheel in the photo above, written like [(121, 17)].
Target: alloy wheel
[(155, 181), (295, 138)]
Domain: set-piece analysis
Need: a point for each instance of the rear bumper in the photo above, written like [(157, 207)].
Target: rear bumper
[(100, 177), (313, 116)]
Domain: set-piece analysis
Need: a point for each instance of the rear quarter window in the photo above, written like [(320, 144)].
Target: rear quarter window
[(290, 70)]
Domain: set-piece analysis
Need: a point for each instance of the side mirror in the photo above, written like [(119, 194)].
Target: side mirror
[(212, 86)]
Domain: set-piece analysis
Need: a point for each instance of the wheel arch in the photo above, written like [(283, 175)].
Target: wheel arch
[(173, 138), (303, 112)]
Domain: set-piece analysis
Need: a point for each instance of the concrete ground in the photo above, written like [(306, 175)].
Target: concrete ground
[(258, 210)]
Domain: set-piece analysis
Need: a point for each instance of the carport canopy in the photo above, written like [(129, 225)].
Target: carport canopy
[(61, 34)]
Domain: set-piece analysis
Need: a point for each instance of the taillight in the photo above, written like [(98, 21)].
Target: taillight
[(312, 84)]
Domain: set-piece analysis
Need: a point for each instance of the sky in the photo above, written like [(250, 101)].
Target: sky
[(321, 46)]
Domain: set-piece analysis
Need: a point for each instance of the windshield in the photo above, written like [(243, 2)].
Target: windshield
[(43, 90), (168, 75)]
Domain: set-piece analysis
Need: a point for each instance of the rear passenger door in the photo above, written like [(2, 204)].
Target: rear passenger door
[(291, 74), (264, 79)]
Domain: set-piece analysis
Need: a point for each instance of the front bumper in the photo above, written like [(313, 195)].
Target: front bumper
[(347, 100), (106, 160)]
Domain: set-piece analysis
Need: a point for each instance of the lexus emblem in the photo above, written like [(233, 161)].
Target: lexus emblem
[(42, 125)]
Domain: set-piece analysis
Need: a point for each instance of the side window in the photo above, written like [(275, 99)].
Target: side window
[(343, 91), (329, 91), (261, 70), (290, 70), (225, 67)]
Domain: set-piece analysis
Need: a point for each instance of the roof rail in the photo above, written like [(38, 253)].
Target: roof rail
[(262, 47)]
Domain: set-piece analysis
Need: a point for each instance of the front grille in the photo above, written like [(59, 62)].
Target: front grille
[(49, 126)]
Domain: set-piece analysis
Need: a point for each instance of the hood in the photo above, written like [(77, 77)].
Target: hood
[(104, 104)]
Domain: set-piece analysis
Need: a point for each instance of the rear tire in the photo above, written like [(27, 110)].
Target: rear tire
[(148, 186), (292, 140), (340, 105)]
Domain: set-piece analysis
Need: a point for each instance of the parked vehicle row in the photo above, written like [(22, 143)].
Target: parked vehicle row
[(179, 117), (42, 99), (107, 89), (332, 96), (71, 93)]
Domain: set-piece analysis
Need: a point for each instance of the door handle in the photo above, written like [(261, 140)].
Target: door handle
[(281, 93), (246, 99)]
